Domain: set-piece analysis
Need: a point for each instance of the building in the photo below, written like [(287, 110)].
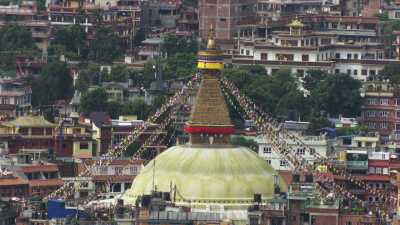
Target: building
[(13, 186), (123, 16), (116, 178), (225, 17), (320, 144), (27, 133), (379, 110), (73, 139), (330, 45), (8, 214), (15, 98)]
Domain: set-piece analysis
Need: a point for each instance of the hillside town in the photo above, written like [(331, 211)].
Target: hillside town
[(231, 112)]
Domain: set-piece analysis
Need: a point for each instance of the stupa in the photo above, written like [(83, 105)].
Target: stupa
[(208, 170)]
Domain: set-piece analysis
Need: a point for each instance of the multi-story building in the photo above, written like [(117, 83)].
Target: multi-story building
[(114, 179), (73, 139), (274, 9), (12, 185), (28, 133), (379, 110), (42, 177), (336, 48), (123, 16), (15, 98), (319, 144), (225, 17)]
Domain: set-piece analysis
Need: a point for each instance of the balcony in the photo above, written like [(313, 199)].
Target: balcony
[(357, 165)]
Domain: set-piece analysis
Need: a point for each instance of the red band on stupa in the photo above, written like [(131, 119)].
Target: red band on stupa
[(209, 130)]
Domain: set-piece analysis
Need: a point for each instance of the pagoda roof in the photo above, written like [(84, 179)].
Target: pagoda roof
[(29, 121)]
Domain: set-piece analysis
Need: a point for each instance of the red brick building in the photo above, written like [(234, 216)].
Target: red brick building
[(224, 16)]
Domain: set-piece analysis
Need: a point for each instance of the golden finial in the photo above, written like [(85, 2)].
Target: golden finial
[(211, 36)]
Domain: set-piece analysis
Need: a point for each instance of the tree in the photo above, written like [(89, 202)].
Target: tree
[(313, 78), (136, 107), (338, 94), (317, 123), (106, 45), (392, 72), (16, 38), (94, 101), (389, 37), (139, 37), (54, 83), (173, 44), (241, 141), (72, 38), (114, 109)]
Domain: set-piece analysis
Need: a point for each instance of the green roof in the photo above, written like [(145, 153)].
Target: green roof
[(203, 175), (29, 121)]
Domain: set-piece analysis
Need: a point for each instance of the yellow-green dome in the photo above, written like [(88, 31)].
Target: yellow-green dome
[(206, 175)]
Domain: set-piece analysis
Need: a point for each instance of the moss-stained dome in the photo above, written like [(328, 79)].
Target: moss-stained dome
[(202, 175)]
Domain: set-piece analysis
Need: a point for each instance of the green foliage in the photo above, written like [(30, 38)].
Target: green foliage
[(313, 78), (384, 16), (392, 72), (317, 123), (343, 131), (106, 46), (94, 101), (114, 109), (136, 107), (54, 83), (338, 94), (173, 45), (139, 37), (16, 38), (70, 39), (190, 3), (279, 94), (241, 141), (389, 37), (179, 65)]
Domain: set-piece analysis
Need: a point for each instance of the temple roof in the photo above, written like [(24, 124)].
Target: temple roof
[(29, 121)]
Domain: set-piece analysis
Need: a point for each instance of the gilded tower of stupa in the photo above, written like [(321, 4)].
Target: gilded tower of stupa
[(208, 170)]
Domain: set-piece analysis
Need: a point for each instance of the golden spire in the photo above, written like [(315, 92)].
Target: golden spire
[(211, 38)]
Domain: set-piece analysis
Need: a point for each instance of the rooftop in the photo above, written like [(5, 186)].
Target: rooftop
[(29, 121)]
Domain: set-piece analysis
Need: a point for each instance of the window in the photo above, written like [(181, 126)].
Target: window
[(355, 56), (372, 72), (84, 145), (118, 170), (337, 56), (384, 101), (268, 161), (312, 151), (301, 151), (264, 56), (355, 72), (134, 170), (267, 150), (247, 52), (305, 58), (385, 171), (378, 170), (364, 72), (397, 14), (283, 162), (242, 51), (337, 71), (348, 72), (371, 170), (348, 56)]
